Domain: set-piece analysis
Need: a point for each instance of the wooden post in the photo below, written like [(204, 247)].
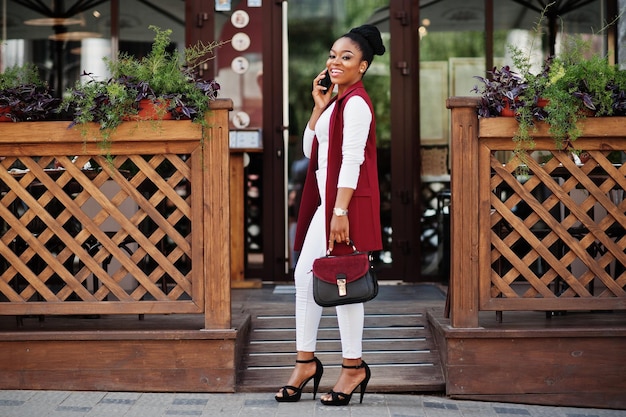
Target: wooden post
[(237, 216), (215, 162), (464, 280)]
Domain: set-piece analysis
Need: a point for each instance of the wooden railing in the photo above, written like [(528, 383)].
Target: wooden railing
[(540, 234), (142, 230)]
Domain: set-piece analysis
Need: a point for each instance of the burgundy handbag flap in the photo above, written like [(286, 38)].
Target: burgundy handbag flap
[(353, 266)]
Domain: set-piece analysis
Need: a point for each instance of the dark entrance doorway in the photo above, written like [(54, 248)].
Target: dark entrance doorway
[(289, 47)]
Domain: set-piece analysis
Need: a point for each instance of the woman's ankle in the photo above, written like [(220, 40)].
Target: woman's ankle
[(303, 357), (351, 363)]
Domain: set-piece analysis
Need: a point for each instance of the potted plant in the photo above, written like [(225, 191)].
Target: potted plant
[(165, 79), (105, 102), (576, 87), (499, 92), (161, 78), (510, 93), (568, 88), (528, 104), (24, 96)]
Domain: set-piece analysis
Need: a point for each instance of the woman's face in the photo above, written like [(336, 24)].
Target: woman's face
[(345, 63)]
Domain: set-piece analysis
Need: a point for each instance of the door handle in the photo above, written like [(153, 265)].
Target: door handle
[(403, 66)]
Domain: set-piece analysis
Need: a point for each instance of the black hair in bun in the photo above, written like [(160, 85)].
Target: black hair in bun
[(369, 40)]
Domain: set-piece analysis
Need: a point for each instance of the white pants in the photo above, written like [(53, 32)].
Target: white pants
[(350, 317)]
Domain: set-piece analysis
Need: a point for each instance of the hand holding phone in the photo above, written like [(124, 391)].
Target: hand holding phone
[(325, 82)]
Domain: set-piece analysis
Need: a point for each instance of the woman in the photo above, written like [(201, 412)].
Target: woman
[(340, 203)]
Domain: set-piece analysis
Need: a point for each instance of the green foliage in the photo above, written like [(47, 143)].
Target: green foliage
[(19, 75), (573, 85), (162, 77), (499, 91), (24, 96), (104, 102), (107, 103), (574, 88)]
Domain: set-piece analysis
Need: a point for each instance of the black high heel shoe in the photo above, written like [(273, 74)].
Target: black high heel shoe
[(297, 391), (340, 398)]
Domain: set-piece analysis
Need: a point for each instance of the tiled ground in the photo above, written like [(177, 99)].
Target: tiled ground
[(126, 404)]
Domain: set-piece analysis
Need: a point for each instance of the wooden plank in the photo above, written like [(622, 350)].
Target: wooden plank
[(115, 354), (197, 218), (55, 132), (118, 354), (464, 273), (548, 365), (64, 149), (237, 241), (560, 304), (409, 344), (594, 127), (535, 324), (115, 326), (137, 380), (397, 320), (238, 216), (385, 378), (216, 223), (568, 360), (100, 307)]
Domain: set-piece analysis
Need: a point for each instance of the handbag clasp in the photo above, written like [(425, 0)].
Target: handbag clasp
[(341, 285)]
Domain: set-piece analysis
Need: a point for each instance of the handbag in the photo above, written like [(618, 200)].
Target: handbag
[(344, 279)]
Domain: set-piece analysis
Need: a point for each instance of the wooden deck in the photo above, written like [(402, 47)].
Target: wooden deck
[(61, 352), (157, 353), (570, 359), (410, 345), (523, 246)]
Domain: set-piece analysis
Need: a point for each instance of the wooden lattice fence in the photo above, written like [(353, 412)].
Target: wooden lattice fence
[(144, 230), (544, 233)]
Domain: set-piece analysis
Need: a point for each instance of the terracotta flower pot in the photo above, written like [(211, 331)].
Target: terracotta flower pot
[(150, 110), (507, 111), (3, 114)]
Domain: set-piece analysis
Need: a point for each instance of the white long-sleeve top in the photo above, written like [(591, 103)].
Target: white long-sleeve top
[(356, 126)]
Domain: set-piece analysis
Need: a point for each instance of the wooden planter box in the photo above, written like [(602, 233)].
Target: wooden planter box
[(534, 257), (145, 232)]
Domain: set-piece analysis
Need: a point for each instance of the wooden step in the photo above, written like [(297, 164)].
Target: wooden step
[(397, 345)]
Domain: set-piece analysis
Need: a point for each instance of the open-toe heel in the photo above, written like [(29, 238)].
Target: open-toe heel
[(341, 398), (297, 391)]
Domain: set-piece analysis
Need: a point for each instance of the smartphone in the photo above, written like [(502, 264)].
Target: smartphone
[(326, 82)]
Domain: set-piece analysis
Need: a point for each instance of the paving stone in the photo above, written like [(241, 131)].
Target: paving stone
[(125, 404)]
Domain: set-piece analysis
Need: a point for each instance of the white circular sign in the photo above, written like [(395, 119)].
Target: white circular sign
[(240, 41), (240, 65), (241, 119), (240, 19)]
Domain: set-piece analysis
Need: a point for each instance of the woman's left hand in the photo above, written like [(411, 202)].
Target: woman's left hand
[(321, 97)]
